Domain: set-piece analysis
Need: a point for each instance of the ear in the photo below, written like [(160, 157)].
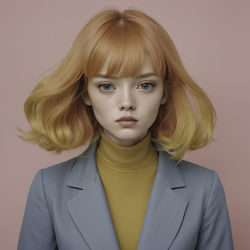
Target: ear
[(86, 100), (163, 100), (85, 97)]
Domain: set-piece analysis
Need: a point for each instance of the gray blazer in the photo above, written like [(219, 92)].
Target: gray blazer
[(67, 209)]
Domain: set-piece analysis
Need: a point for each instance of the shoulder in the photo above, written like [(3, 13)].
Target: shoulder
[(51, 182), (55, 171), (53, 176), (195, 174), (60, 168), (198, 180), (201, 180), (199, 185), (191, 173)]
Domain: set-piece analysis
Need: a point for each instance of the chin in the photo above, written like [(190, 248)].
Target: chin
[(128, 138)]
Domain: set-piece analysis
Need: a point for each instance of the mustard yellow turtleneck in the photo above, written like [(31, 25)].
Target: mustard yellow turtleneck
[(127, 174)]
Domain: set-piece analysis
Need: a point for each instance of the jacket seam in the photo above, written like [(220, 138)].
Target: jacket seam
[(209, 194), (44, 193)]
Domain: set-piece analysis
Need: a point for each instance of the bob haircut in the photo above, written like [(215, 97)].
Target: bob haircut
[(56, 111)]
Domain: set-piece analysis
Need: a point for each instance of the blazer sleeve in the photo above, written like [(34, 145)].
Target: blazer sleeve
[(215, 232), (37, 228)]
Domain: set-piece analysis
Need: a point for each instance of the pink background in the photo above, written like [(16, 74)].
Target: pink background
[(213, 40)]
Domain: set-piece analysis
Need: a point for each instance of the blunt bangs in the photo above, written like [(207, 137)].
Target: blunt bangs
[(124, 43)]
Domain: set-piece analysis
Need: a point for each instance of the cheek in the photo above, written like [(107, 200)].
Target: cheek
[(151, 104), (96, 102), (150, 111), (101, 109)]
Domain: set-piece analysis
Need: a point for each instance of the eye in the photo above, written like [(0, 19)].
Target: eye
[(147, 85), (105, 87)]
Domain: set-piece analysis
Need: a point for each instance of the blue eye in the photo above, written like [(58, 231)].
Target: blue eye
[(147, 85), (105, 86)]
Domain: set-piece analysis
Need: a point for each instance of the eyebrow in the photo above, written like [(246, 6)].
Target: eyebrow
[(113, 77)]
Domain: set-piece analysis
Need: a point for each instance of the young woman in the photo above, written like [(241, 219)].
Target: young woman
[(122, 91)]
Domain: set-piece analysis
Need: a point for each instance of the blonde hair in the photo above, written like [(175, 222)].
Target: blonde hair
[(58, 116)]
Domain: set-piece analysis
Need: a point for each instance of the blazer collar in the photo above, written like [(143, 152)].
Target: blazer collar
[(90, 212)]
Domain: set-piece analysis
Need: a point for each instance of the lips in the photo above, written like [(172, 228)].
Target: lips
[(126, 118)]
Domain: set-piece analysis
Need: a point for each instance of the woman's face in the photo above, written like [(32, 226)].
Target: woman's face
[(113, 98)]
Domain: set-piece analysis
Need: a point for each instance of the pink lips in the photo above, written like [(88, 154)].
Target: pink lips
[(127, 121), (126, 118)]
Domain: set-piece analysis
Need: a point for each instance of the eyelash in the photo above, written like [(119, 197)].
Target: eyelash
[(103, 84)]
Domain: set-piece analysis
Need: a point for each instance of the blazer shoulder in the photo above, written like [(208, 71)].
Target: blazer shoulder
[(58, 172), (63, 168), (201, 182), (185, 165), (60, 167), (196, 175)]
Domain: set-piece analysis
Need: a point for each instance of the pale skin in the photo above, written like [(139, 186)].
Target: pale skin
[(139, 97)]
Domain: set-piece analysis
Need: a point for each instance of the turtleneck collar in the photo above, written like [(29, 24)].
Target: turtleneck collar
[(126, 158)]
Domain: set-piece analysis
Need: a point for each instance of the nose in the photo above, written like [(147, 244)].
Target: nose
[(126, 100)]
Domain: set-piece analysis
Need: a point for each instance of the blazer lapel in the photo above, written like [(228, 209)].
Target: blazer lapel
[(90, 212), (165, 209), (89, 208)]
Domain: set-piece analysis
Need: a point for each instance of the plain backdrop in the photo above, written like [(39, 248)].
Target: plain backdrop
[(213, 40)]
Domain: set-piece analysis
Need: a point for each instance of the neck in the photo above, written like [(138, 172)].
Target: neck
[(126, 158)]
